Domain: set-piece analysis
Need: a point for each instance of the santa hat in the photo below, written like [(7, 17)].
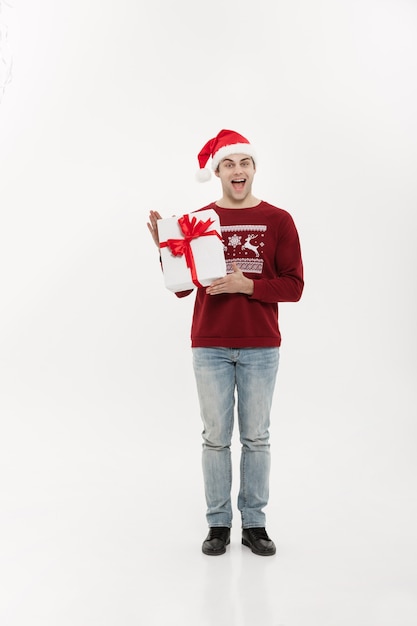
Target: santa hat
[(225, 143)]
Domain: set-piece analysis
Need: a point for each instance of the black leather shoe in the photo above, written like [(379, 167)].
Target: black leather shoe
[(258, 541), (216, 541)]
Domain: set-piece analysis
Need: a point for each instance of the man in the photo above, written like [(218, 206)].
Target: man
[(235, 340)]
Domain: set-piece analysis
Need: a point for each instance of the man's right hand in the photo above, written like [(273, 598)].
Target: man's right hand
[(154, 216)]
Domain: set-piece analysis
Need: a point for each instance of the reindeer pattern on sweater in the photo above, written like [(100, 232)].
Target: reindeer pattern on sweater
[(243, 244)]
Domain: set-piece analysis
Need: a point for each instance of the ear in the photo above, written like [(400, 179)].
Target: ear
[(217, 173)]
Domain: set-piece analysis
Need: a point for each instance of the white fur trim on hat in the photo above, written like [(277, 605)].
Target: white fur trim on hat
[(234, 148)]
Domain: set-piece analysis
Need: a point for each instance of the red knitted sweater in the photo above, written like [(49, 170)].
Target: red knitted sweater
[(264, 243)]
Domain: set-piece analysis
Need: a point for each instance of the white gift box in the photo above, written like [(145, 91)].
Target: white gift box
[(192, 251)]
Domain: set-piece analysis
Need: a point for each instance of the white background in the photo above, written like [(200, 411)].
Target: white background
[(101, 510)]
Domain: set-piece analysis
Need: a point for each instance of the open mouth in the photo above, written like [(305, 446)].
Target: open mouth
[(238, 183)]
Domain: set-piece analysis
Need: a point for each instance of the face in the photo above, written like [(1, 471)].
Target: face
[(236, 173)]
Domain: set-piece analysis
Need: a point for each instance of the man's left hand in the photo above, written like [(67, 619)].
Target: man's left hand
[(236, 282)]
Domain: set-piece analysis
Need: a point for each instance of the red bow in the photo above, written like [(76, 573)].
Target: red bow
[(192, 230)]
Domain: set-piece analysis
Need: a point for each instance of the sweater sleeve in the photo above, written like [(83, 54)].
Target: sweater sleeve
[(286, 282), (183, 294)]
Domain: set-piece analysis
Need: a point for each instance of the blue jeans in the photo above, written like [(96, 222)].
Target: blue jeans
[(251, 372)]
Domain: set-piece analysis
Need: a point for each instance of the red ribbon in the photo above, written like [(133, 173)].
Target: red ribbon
[(192, 230)]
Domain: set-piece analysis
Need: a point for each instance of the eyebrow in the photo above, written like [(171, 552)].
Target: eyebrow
[(232, 161)]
